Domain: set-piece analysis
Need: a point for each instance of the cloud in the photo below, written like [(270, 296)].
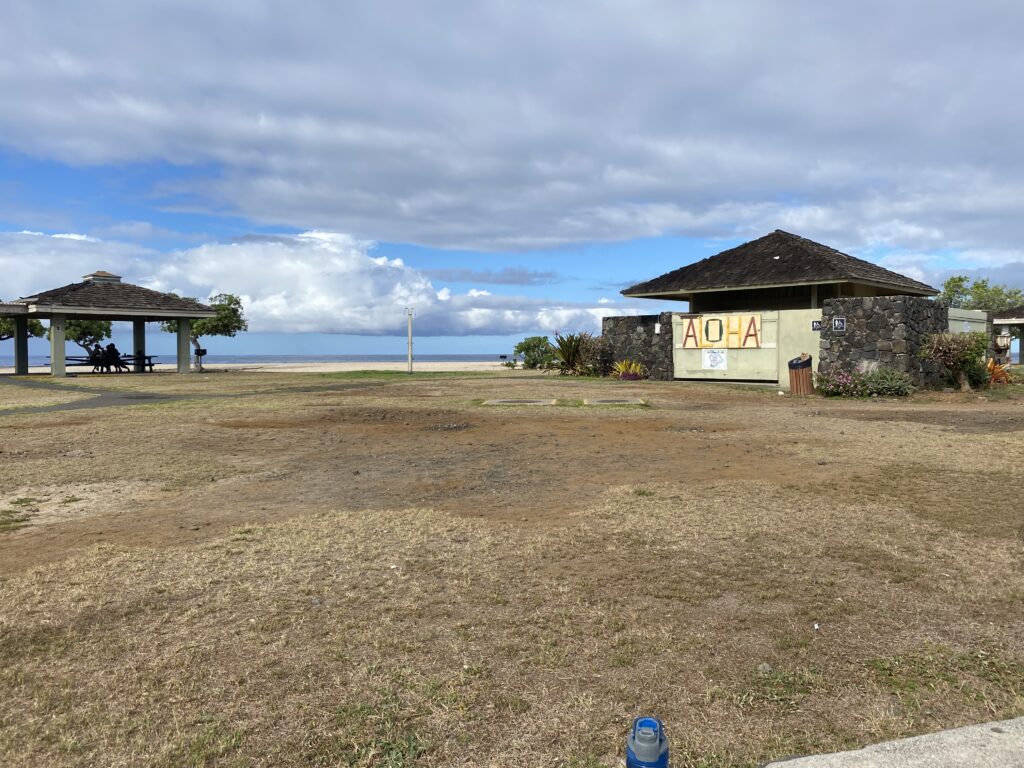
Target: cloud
[(998, 266), (315, 282), (505, 276), (511, 126), (33, 261)]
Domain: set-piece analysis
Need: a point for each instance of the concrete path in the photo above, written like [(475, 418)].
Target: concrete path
[(99, 399), (110, 398), (990, 745)]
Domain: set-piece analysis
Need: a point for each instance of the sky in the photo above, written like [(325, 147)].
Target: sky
[(505, 169)]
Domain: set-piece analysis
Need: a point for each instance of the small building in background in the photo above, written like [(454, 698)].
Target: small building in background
[(756, 306)]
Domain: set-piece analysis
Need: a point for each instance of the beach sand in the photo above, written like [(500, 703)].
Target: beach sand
[(426, 367)]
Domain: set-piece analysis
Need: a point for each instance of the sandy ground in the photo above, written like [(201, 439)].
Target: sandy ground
[(311, 367)]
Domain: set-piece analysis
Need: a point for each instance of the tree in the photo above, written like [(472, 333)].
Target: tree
[(86, 333), (229, 321), (958, 291), (536, 352), (35, 328)]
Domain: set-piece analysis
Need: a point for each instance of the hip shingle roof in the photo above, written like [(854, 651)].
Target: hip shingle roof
[(779, 258)]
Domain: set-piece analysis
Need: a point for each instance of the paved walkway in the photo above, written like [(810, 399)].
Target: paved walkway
[(110, 398), (100, 399), (989, 745)]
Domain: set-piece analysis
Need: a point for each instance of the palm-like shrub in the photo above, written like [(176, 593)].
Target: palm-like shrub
[(629, 370), (888, 382), (580, 354)]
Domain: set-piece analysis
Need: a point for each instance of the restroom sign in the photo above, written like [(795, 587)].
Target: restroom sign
[(722, 332)]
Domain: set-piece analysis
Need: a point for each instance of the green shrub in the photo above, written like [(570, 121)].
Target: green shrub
[(595, 355), (961, 356), (887, 382), (568, 357), (883, 382), (977, 375), (536, 352), (581, 354), (629, 370)]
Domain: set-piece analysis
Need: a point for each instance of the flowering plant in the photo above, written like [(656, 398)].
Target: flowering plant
[(883, 382), (837, 383)]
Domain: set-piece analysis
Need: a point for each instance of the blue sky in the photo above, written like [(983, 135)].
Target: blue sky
[(503, 168)]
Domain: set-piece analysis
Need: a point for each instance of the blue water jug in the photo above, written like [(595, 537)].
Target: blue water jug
[(647, 744)]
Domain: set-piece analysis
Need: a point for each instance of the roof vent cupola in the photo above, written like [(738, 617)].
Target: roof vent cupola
[(102, 277)]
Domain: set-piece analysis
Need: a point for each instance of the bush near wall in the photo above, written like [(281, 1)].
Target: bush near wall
[(961, 356), (881, 382), (581, 354)]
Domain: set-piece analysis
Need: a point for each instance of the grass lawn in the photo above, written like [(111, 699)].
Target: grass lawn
[(378, 571)]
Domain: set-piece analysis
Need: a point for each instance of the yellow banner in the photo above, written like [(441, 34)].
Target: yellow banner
[(721, 332)]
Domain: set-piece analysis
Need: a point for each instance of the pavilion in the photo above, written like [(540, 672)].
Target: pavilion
[(101, 296), (1005, 319)]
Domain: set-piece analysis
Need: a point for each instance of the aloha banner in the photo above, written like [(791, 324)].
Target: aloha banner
[(722, 332)]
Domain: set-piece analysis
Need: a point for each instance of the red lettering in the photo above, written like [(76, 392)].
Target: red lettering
[(752, 332), (691, 333)]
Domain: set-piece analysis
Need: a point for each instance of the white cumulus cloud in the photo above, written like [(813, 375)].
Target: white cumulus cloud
[(315, 282)]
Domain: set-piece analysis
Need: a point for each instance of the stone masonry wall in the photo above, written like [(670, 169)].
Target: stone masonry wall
[(633, 338), (883, 330)]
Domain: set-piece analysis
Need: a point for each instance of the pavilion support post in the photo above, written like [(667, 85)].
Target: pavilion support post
[(184, 328), (21, 346), (139, 345), (58, 325)]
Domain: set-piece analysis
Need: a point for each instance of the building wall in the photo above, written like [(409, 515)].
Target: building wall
[(647, 338), (969, 321), (796, 336), (759, 363), (884, 330), (784, 335)]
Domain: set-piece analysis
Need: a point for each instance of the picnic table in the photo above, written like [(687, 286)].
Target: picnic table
[(126, 360)]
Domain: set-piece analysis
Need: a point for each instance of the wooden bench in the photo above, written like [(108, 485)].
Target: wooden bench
[(127, 360)]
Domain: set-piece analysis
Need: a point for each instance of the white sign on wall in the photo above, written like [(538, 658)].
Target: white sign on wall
[(714, 359)]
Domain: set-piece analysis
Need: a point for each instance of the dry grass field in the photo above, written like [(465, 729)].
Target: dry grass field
[(377, 570)]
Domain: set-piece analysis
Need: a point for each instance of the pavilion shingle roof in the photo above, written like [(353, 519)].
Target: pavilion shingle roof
[(115, 296), (779, 258), (1011, 312)]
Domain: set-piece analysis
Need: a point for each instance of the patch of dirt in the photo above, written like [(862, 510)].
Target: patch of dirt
[(59, 423), (54, 505), (964, 419), (269, 458)]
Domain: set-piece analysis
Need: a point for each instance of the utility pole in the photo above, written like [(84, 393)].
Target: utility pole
[(408, 314)]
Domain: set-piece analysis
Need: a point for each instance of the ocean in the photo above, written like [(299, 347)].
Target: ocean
[(7, 361)]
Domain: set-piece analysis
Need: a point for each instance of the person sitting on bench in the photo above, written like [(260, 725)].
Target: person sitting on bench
[(112, 357), (96, 358)]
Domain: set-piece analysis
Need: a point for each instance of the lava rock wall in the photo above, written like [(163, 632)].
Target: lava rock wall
[(633, 338)]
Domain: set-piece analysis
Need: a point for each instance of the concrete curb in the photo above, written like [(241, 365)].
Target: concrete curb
[(989, 745)]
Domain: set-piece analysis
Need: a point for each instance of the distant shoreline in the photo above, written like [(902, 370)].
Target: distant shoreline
[(423, 366)]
